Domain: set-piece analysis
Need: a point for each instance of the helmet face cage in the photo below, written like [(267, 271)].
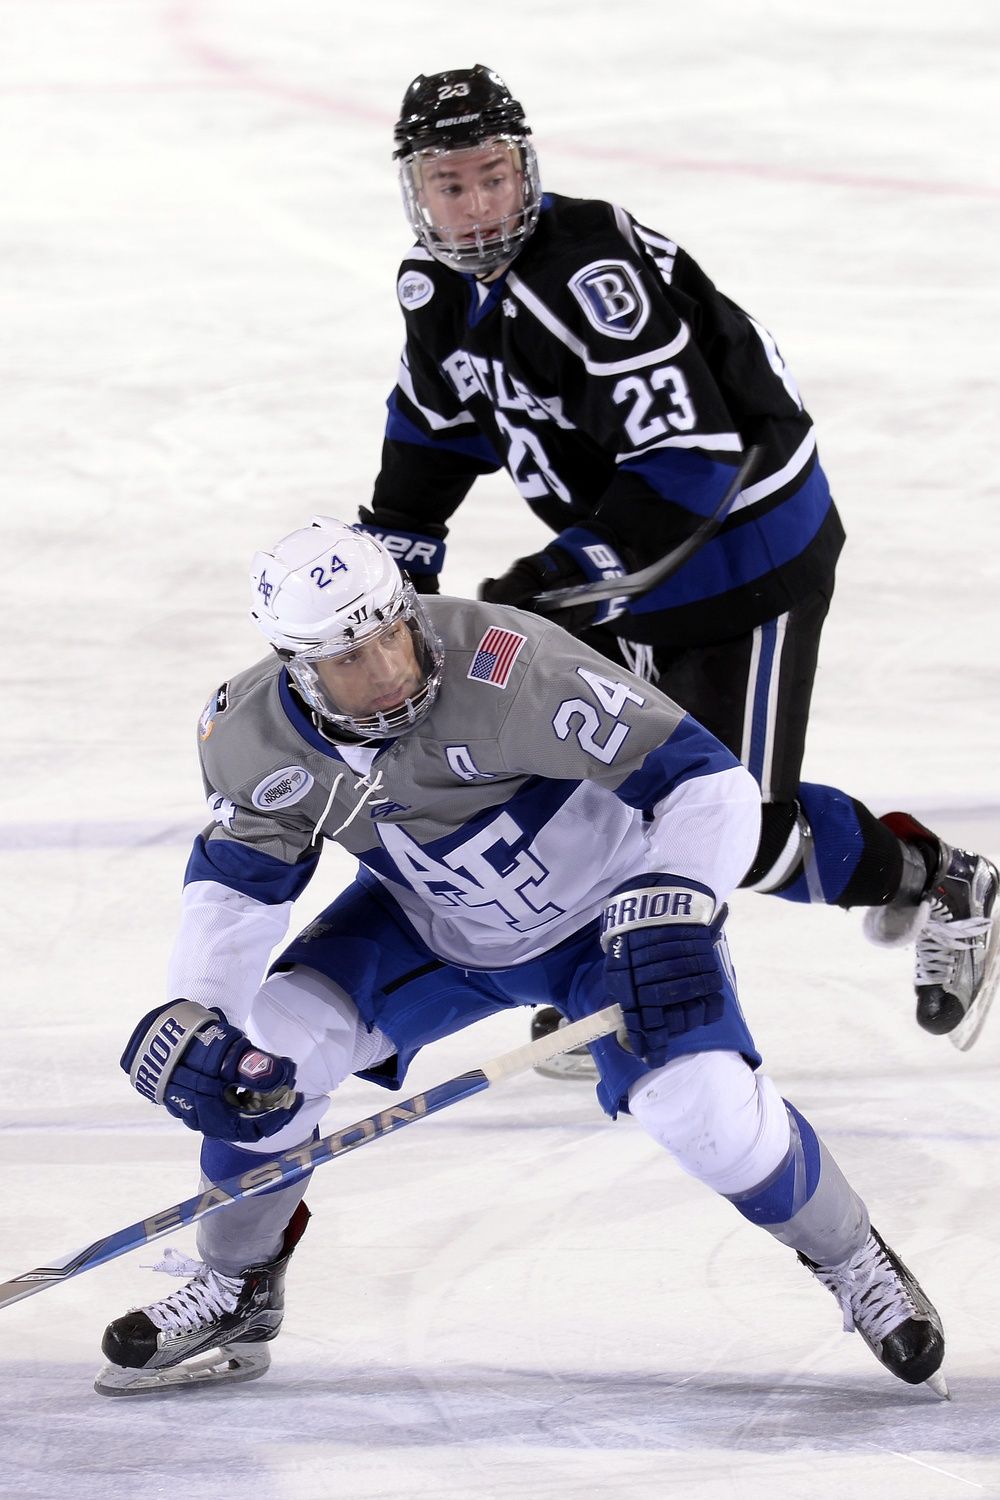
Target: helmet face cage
[(459, 111), (330, 590), (489, 247), (303, 668)]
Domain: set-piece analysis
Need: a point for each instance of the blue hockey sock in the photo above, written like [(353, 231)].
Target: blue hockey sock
[(790, 1185)]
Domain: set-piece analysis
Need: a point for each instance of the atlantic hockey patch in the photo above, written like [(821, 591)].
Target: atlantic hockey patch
[(282, 788), (612, 296), (414, 289), (495, 656)]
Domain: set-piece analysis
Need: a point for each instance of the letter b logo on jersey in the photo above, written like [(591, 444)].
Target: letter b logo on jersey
[(610, 293)]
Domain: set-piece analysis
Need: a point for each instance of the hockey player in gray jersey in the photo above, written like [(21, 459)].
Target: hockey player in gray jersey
[(532, 826)]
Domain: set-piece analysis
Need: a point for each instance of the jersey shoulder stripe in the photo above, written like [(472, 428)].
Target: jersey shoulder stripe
[(578, 346)]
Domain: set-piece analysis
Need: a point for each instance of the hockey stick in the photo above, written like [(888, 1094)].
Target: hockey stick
[(292, 1166), (640, 582)]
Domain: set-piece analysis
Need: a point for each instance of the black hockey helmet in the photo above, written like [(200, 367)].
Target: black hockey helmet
[(460, 107), (459, 111)]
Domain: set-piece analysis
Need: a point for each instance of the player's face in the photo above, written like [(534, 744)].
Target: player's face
[(379, 676), (472, 192)]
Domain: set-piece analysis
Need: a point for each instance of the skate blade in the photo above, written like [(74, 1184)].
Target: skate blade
[(938, 1385), (967, 1031), (226, 1366)]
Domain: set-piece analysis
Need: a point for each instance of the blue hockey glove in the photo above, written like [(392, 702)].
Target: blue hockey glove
[(208, 1074), (661, 963), (420, 553), (575, 556)]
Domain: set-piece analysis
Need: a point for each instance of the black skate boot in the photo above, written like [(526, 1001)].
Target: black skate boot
[(956, 929), (888, 1307), (576, 1063), (149, 1348)]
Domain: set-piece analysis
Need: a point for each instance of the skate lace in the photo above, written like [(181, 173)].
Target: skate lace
[(942, 942), (871, 1295), (207, 1297), (174, 1263)]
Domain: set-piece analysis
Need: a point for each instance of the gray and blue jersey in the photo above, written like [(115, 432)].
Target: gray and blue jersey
[(544, 778)]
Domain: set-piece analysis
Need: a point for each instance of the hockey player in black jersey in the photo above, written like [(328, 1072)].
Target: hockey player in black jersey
[(591, 357)]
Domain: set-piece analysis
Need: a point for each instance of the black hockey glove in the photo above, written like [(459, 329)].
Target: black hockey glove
[(420, 553), (575, 556), (661, 962), (208, 1074)]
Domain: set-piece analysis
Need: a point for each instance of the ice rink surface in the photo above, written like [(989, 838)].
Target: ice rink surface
[(200, 233)]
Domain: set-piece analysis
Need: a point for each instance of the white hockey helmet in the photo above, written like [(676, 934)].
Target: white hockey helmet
[(327, 594)]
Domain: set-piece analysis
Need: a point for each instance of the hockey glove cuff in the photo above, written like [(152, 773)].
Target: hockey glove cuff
[(576, 556), (420, 553), (596, 560), (209, 1074), (661, 962)]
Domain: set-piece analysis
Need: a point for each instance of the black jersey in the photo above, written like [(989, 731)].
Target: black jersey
[(619, 388)]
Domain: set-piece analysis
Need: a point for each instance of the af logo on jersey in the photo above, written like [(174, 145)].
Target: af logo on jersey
[(612, 296)]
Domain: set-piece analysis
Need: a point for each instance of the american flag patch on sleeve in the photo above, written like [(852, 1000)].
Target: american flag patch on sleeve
[(495, 656)]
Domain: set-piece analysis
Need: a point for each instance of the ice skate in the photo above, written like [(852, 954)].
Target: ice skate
[(230, 1319), (576, 1063), (956, 931), (885, 1303)]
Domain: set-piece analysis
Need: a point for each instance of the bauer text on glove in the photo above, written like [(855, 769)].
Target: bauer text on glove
[(419, 553)]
